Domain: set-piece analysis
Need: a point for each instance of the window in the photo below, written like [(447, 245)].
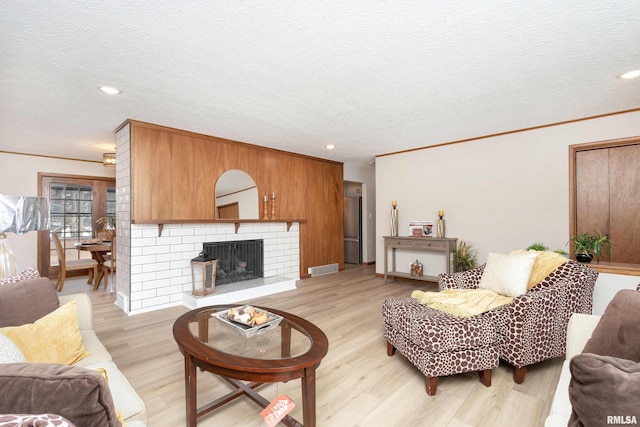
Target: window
[(76, 204), (71, 210)]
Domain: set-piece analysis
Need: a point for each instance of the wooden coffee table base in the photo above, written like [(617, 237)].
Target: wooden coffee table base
[(241, 388)]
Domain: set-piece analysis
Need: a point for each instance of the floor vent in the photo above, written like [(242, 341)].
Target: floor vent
[(323, 269)]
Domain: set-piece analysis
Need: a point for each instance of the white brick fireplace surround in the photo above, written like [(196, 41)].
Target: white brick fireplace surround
[(160, 268)]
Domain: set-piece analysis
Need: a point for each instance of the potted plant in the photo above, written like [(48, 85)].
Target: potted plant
[(537, 247), (591, 244), (108, 224), (562, 252), (464, 258)]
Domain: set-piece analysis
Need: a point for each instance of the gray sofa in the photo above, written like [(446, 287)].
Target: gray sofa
[(77, 392), (579, 331), (600, 379)]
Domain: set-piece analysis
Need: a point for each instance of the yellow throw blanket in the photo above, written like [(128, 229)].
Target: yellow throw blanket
[(462, 302)]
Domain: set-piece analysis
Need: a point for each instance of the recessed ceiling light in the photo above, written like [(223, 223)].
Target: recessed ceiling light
[(329, 146), (109, 90), (630, 74)]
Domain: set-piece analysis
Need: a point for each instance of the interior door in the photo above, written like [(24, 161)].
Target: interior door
[(230, 211)]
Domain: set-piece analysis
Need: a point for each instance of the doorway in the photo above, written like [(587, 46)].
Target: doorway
[(76, 204), (353, 238)]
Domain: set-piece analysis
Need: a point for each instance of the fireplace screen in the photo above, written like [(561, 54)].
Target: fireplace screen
[(237, 261)]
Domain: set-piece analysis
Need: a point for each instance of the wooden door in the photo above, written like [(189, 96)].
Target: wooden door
[(230, 211)]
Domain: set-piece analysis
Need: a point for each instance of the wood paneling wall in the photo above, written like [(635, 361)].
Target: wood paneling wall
[(174, 173), (605, 194)]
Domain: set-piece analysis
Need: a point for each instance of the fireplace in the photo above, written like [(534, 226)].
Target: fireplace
[(237, 261)]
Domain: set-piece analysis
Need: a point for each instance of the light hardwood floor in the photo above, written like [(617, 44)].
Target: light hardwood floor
[(357, 383)]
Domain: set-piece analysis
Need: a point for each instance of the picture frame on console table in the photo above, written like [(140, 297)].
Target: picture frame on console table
[(421, 228)]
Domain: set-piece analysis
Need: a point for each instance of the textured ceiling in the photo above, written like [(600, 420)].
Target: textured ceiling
[(371, 77)]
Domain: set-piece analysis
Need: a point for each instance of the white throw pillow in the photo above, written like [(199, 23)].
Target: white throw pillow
[(508, 274), (9, 352)]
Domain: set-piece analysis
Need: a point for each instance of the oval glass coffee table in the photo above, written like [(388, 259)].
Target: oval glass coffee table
[(293, 349)]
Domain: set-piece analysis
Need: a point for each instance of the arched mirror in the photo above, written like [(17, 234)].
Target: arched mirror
[(236, 196)]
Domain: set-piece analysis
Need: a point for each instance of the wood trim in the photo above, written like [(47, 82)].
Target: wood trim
[(50, 157), (511, 132), (213, 221), (237, 222), (609, 143), (616, 268), (68, 177)]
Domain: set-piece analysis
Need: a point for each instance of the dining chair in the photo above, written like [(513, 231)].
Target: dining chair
[(64, 265), (109, 265)]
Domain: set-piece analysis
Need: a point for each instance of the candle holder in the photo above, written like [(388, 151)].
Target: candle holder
[(203, 275), (265, 209), (394, 219), (441, 228), (273, 207)]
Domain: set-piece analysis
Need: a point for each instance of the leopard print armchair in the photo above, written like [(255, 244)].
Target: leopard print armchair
[(533, 327)]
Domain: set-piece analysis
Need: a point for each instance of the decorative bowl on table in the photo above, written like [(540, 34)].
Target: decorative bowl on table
[(248, 320)]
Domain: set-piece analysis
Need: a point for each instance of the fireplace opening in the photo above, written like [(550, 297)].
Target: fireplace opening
[(237, 261)]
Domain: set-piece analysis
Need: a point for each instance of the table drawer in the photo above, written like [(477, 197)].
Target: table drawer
[(402, 243), (426, 243)]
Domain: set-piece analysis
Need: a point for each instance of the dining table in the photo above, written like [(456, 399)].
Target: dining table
[(98, 252)]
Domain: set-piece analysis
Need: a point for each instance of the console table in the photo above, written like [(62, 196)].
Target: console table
[(445, 245)]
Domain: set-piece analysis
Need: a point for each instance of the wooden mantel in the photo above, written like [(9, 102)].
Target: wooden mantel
[(237, 222)]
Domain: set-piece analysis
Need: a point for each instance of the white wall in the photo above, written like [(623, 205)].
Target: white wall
[(500, 193), (19, 177), (366, 176)]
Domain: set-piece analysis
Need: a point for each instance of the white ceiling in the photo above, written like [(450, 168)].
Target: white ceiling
[(370, 76)]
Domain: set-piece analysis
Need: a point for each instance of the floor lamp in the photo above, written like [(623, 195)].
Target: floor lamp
[(19, 215)]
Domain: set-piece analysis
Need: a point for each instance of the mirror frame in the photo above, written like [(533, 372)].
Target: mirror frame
[(238, 188)]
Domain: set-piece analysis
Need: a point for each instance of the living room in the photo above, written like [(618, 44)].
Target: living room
[(501, 187)]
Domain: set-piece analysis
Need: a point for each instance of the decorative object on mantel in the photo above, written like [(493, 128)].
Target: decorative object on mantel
[(394, 219), (440, 228), (203, 274), (265, 209), (421, 228), (416, 269), (273, 205), (19, 215)]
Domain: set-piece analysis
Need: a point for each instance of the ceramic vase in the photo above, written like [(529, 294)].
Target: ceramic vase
[(440, 228), (394, 222)]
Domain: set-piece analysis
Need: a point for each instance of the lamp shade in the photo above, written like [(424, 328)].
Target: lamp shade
[(20, 214)]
